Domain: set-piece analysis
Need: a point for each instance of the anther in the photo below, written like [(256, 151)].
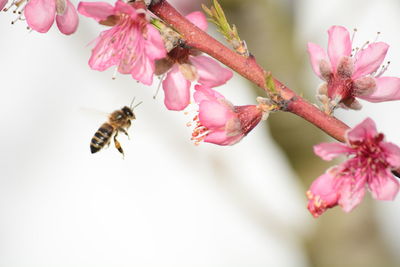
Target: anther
[(159, 86), (384, 68), (377, 36), (353, 35), (115, 74), (364, 45)]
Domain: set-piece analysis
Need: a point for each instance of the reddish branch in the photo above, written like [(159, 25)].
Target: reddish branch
[(247, 67)]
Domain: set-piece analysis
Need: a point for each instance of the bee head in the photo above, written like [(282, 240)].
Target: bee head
[(128, 112)]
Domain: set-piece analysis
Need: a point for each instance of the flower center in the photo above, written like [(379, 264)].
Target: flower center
[(340, 87), (370, 154)]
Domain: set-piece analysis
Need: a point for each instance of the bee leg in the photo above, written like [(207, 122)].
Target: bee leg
[(108, 144), (125, 132), (118, 145)]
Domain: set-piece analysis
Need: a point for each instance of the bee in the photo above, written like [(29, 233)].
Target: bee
[(118, 121)]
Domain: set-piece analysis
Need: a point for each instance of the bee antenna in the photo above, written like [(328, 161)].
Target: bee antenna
[(133, 100), (136, 105)]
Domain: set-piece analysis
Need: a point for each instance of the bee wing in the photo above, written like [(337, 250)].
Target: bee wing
[(94, 113)]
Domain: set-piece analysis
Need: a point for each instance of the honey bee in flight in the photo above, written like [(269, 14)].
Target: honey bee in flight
[(118, 121)]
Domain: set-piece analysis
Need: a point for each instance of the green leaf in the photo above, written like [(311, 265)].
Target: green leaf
[(217, 16), (269, 82)]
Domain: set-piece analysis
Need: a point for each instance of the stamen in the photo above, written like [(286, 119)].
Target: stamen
[(353, 35), (200, 132), (364, 45), (358, 49), (355, 51), (115, 73), (384, 68), (159, 86), (15, 20), (5, 9), (377, 36)]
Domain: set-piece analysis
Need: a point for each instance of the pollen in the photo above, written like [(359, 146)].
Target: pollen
[(309, 195), (200, 132)]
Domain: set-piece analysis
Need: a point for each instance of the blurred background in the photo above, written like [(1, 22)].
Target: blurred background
[(168, 202)]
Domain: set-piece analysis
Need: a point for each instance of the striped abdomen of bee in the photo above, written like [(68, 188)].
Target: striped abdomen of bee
[(101, 137)]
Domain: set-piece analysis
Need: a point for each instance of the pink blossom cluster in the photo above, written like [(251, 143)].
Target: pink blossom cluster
[(134, 46), (349, 74)]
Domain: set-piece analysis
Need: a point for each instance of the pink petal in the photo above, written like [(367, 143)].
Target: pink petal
[(210, 72), (142, 69), (176, 90), (392, 154), (96, 10), (368, 60), (325, 187), (2, 4), (40, 14), (154, 46), (125, 8), (384, 186), (322, 194), (351, 194), (130, 54), (214, 114), (220, 138), (68, 22), (329, 151), (106, 53), (205, 93), (198, 19), (362, 131), (316, 54), (387, 89), (339, 44)]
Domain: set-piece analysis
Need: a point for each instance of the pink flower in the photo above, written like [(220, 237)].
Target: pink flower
[(370, 162), (40, 15), (184, 66), (132, 44), (349, 76), (219, 122)]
